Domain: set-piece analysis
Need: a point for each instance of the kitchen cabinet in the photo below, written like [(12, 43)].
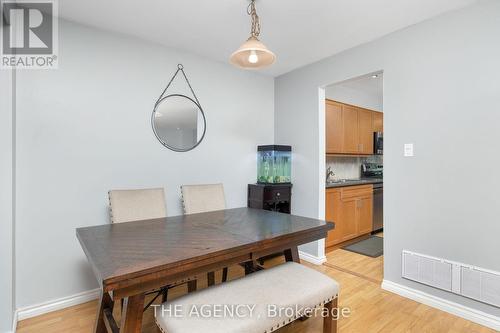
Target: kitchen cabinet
[(349, 213), (378, 121), (365, 217), (349, 129), (365, 131), (334, 123), (335, 235), (351, 209)]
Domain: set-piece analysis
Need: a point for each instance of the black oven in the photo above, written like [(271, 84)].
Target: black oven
[(378, 143)]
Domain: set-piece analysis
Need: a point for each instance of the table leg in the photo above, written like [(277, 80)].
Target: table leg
[(192, 285), (224, 274), (211, 278), (331, 320), (249, 267), (105, 302), (292, 254), (132, 314)]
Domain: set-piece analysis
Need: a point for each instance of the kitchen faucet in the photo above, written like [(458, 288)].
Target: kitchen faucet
[(329, 174)]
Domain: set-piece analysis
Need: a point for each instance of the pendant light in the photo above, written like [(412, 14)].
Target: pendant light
[(253, 54)]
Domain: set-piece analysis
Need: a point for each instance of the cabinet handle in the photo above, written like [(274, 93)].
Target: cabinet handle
[(361, 147)]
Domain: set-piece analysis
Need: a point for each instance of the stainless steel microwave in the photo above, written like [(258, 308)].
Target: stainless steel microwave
[(378, 143)]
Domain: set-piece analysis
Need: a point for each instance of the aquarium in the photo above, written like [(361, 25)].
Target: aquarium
[(274, 164)]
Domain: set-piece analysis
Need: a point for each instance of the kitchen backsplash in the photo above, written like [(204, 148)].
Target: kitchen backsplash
[(347, 167)]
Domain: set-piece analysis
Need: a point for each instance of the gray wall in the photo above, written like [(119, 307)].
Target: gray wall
[(6, 218), (85, 128), (442, 93)]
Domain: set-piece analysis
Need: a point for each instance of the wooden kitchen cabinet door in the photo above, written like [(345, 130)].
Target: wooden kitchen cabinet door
[(349, 218), (378, 122), (351, 208), (365, 215), (365, 128), (350, 130), (334, 136), (333, 214)]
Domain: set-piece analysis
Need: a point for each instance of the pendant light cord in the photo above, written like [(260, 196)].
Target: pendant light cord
[(255, 32)]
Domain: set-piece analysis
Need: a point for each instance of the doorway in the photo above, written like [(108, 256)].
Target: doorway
[(353, 146)]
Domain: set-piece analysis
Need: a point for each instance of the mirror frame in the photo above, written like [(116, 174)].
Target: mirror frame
[(163, 142)]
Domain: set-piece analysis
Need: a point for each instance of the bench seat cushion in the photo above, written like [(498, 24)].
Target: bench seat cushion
[(289, 286)]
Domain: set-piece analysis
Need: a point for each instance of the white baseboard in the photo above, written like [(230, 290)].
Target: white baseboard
[(312, 259), (14, 322), (456, 309), (57, 304)]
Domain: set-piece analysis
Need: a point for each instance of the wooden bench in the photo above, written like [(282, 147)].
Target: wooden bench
[(278, 295)]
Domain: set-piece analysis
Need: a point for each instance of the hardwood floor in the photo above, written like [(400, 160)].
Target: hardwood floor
[(372, 309), (371, 269)]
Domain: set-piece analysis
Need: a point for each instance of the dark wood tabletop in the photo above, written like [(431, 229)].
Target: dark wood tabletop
[(135, 248), (132, 258)]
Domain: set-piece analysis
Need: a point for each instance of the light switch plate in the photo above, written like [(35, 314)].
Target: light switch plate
[(408, 150)]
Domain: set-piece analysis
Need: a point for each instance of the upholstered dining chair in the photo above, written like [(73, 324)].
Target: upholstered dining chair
[(143, 204), (201, 199), (135, 205)]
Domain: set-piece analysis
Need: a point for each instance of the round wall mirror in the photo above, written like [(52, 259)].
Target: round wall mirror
[(178, 122)]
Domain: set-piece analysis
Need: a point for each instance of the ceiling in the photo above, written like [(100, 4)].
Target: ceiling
[(300, 32), (365, 91), (366, 83)]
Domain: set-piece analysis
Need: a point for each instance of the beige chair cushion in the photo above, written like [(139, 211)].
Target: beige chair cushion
[(289, 285), (203, 198), (135, 205)]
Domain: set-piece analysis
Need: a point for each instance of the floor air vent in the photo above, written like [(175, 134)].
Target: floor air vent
[(472, 282)]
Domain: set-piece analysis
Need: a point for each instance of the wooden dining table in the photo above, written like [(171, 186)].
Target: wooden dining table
[(131, 259)]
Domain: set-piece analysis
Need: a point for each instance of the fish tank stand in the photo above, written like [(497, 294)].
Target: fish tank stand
[(273, 197)]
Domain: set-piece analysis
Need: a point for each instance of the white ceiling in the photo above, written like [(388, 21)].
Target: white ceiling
[(365, 83), (298, 31), (364, 91)]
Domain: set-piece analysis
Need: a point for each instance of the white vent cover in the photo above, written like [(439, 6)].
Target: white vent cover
[(472, 282), (481, 285), (427, 270)]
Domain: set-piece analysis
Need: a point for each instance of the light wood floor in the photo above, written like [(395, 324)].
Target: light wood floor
[(373, 310)]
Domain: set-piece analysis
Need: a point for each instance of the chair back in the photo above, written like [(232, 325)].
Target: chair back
[(135, 205), (203, 198)]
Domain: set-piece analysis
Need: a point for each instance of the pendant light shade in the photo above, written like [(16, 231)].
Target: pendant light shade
[(253, 54)]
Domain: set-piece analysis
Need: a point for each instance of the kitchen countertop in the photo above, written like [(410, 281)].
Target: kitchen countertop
[(354, 182)]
